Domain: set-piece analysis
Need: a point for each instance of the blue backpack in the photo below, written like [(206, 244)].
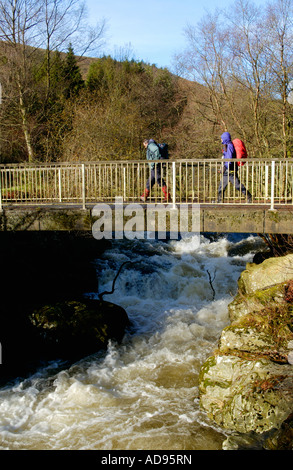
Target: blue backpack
[(164, 152)]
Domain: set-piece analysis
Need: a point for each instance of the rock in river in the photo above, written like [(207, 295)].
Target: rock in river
[(77, 328)]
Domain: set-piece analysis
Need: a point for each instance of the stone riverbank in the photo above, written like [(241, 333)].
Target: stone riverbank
[(247, 385)]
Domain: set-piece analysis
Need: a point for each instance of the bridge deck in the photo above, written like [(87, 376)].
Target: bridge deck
[(230, 218)]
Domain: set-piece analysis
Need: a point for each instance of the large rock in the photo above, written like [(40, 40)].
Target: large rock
[(248, 384), (272, 271), (76, 328), (246, 395), (261, 324), (245, 304)]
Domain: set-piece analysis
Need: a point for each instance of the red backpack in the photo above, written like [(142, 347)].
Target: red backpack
[(240, 151)]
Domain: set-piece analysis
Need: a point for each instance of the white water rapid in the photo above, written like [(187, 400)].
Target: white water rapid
[(143, 393)]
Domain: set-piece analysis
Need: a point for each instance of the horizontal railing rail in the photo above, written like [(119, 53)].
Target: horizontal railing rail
[(187, 181)]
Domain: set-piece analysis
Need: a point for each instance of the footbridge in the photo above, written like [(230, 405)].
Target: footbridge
[(72, 196)]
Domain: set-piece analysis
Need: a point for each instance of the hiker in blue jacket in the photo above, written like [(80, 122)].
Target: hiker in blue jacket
[(153, 153), (230, 171)]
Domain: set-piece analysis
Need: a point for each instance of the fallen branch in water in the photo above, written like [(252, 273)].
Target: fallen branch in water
[(211, 282), (113, 285)]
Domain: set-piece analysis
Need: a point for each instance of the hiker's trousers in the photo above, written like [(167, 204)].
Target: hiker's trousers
[(155, 175), (231, 176)]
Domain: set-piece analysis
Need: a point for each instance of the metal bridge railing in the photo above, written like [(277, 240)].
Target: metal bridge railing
[(188, 181)]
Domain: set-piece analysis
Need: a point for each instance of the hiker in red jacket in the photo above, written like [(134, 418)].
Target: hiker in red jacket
[(230, 172)]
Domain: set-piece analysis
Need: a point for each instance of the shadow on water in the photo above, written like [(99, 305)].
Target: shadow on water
[(37, 268)]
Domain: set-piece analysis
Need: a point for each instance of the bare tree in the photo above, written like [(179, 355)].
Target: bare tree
[(279, 30), (28, 25), (203, 61), (249, 68), (64, 22), (18, 22), (243, 57)]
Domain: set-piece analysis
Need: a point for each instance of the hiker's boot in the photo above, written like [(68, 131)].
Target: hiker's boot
[(220, 199), (145, 195), (167, 197), (249, 198)]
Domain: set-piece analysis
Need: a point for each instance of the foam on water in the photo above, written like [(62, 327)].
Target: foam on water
[(142, 394)]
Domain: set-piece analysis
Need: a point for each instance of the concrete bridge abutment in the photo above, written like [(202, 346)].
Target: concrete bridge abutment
[(212, 218)]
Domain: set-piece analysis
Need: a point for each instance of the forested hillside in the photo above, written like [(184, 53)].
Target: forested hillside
[(90, 109), (236, 75)]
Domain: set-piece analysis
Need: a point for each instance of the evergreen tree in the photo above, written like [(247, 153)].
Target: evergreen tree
[(73, 81)]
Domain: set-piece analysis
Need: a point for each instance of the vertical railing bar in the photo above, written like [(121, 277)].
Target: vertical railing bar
[(94, 182), (83, 185), (174, 184), (9, 182), (20, 185), (204, 185), (210, 181), (192, 182), (198, 183), (39, 183), (247, 179), (60, 184), (277, 182), (45, 183), (266, 181), (28, 183), (180, 182), (1, 202), (286, 183), (24, 177), (49, 173), (186, 182), (40, 178), (110, 181), (138, 180), (32, 184), (17, 185), (133, 180), (252, 178), (124, 183), (272, 185), (34, 174)]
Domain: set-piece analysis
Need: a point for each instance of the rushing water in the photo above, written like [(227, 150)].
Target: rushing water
[(143, 393)]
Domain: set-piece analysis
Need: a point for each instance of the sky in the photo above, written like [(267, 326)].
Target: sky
[(153, 30)]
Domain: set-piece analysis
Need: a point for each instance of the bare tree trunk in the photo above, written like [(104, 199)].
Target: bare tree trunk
[(25, 125)]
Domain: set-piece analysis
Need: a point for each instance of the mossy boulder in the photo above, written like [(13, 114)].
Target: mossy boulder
[(247, 385), (270, 272), (266, 330), (245, 304), (245, 395), (74, 328)]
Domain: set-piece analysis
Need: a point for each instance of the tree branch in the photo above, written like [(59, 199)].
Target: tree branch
[(114, 281), (211, 280)]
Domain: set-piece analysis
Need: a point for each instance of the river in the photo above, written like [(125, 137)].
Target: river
[(143, 393)]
